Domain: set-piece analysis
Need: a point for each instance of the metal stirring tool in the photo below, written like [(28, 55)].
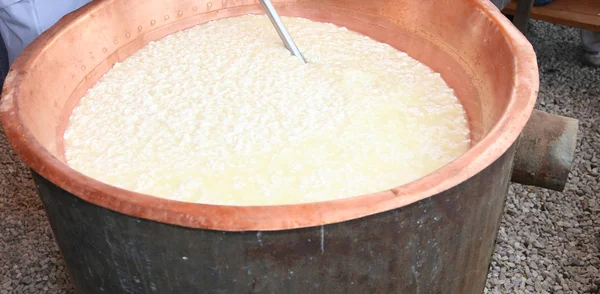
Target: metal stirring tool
[(281, 30)]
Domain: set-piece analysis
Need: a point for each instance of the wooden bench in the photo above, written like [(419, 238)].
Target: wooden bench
[(584, 14)]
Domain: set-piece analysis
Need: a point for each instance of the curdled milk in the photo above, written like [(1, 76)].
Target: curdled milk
[(222, 113)]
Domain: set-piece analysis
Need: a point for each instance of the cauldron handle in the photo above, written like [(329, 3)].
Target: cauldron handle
[(545, 151)]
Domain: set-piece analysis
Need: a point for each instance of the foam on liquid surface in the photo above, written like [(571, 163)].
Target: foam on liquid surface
[(221, 113)]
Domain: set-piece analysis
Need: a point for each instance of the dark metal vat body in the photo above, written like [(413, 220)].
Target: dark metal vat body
[(442, 244)]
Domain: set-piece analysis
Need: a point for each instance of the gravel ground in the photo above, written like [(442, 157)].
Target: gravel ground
[(549, 242)]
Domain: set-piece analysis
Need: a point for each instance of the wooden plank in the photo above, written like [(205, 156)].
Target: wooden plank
[(589, 7), (583, 14)]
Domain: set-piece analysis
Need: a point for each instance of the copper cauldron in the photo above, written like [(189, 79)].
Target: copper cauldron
[(433, 235)]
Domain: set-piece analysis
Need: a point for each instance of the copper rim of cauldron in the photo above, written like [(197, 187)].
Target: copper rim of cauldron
[(249, 218)]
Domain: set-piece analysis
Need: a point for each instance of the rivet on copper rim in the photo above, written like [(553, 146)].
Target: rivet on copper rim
[(180, 12), (127, 35), (115, 41), (104, 50), (140, 28), (152, 22), (83, 67), (195, 8), (208, 5), (166, 17)]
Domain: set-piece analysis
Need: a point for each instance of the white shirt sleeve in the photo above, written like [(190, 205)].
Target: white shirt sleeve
[(21, 21)]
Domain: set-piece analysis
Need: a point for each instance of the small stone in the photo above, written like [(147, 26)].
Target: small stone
[(538, 286), (557, 287), (533, 265), (576, 262)]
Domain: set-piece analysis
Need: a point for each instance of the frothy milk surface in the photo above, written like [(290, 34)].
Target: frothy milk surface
[(222, 113)]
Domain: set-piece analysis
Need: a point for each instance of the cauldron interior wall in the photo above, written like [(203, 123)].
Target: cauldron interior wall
[(99, 40)]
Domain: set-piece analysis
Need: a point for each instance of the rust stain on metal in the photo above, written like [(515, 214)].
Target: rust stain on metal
[(545, 151)]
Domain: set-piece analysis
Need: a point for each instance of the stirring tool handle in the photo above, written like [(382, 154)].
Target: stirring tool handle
[(281, 30)]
